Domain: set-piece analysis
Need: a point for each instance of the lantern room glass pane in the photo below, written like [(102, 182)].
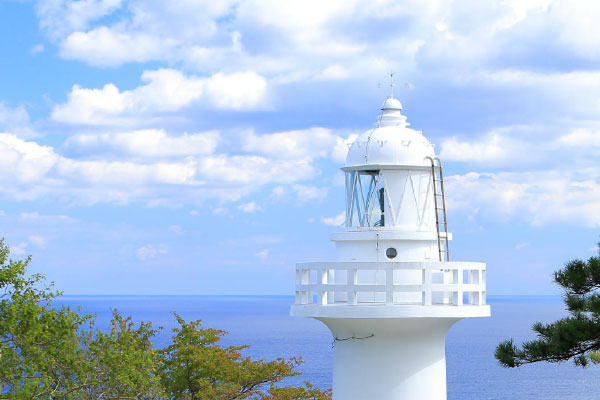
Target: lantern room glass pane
[(365, 197)]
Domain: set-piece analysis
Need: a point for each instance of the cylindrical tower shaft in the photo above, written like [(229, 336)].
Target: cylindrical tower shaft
[(389, 359)]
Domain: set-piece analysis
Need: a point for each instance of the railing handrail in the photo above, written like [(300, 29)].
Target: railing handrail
[(391, 265), (451, 289)]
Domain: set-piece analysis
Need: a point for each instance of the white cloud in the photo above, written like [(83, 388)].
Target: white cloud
[(59, 17), (148, 142), (176, 229), (330, 40), (521, 245), (166, 90), (17, 249), (306, 194), (37, 49), (238, 91), (279, 190), (38, 240), (340, 151), (334, 72), (537, 197), (219, 211), (105, 47), (307, 143), (16, 120), (493, 148), (255, 170), (263, 254), (337, 220), (31, 171), (37, 217), (579, 138), (23, 162), (150, 251), (142, 30), (250, 207)]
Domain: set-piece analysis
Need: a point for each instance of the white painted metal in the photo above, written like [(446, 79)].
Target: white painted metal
[(387, 298)]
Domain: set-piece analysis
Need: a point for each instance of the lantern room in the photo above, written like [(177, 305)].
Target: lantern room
[(388, 176)]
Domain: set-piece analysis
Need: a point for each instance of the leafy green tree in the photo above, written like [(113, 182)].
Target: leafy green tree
[(48, 352), (122, 363), (575, 337), (195, 367), (58, 353)]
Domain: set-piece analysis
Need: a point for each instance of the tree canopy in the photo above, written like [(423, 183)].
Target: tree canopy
[(49, 352), (575, 337)]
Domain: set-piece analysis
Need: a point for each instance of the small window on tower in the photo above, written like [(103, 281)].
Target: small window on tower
[(391, 253)]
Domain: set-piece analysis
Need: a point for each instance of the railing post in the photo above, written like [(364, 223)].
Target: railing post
[(305, 280), (330, 282), (389, 285), (323, 281), (352, 276), (427, 286), (459, 282)]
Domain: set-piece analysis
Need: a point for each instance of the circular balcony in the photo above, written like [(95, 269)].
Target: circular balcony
[(390, 289)]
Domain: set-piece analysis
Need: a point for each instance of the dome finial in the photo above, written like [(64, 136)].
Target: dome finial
[(392, 73), (393, 84)]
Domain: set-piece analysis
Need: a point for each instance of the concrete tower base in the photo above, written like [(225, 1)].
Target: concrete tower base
[(389, 359)]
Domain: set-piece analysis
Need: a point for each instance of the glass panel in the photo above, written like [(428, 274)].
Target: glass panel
[(365, 198)]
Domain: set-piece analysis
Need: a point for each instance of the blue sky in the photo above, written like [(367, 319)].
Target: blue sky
[(191, 147)]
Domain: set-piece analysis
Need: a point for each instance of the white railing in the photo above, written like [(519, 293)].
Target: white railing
[(391, 283)]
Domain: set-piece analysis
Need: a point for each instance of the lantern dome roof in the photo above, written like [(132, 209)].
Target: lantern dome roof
[(390, 143)]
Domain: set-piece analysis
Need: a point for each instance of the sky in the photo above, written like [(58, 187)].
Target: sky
[(194, 147)]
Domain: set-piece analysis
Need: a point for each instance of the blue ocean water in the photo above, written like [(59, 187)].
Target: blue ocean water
[(264, 323)]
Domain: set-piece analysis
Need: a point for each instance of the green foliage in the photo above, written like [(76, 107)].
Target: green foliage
[(195, 367), (575, 337), (58, 353)]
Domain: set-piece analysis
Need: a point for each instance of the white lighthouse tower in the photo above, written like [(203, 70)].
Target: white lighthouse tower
[(391, 295)]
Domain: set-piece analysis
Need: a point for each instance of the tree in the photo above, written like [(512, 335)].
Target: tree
[(48, 352), (58, 353), (575, 337), (195, 367)]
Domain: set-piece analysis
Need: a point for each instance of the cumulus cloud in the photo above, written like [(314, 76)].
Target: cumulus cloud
[(337, 220), (39, 218), (31, 171), (18, 249), (166, 90), (145, 143), (307, 143), (250, 207), (151, 251), (305, 194), (106, 47), (263, 254), (39, 241), (16, 120), (37, 49), (493, 148), (59, 17), (331, 40), (538, 197), (579, 138)]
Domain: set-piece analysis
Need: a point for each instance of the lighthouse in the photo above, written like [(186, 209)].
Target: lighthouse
[(391, 293)]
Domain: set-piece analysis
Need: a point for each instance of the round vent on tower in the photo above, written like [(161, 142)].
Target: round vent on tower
[(391, 253)]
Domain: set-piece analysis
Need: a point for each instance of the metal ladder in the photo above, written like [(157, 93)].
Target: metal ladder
[(440, 219)]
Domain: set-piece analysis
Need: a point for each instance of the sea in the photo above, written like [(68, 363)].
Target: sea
[(263, 322)]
